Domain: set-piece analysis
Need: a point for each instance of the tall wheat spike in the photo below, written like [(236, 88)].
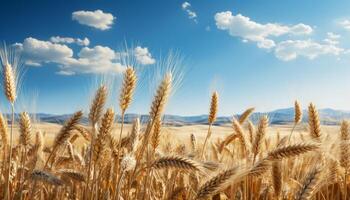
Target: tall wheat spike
[(25, 129), (10, 84), (260, 134), (212, 117), (161, 97), (97, 105), (104, 131), (298, 113), (251, 130), (314, 122), (241, 135), (10, 80), (213, 108), (128, 88), (157, 107)]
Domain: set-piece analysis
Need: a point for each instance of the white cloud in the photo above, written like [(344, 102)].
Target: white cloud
[(190, 13), (69, 40), (97, 19), (65, 73), (332, 35), (185, 5), (45, 51), (143, 56), (291, 49), (97, 59), (345, 24), (242, 26), (332, 38)]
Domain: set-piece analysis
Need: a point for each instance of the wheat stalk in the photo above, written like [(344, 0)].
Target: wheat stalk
[(314, 122), (260, 134), (246, 146), (212, 117), (128, 88), (298, 113), (97, 105)]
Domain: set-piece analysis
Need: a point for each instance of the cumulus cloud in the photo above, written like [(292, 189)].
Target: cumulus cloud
[(242, 26), (345, 24), (190, 13), (291, 49), (143, 56), (96, 19), (38, 51), (97, 59), (332, 38), (69, 40)]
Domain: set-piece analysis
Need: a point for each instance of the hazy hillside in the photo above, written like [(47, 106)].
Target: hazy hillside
[(281, 116)]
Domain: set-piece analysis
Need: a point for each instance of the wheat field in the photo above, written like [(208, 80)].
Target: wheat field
[(108, 159)]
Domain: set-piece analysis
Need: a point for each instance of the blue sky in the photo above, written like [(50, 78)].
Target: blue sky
[(254, 53)]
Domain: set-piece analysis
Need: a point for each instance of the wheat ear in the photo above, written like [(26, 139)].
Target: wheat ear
[(128, 88), (73, 174), (65, 133), (176, 162), (216, 184), (97, 105), (46, 177), (291, 150), (314, 123), (25, 129), (276, 174), (260, 134), (308, 185), (212, 117), (245, 115)]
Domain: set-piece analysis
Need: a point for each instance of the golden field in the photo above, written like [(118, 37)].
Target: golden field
[(149, 161)]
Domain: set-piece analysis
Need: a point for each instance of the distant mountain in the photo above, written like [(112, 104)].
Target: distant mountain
[(328, 116)]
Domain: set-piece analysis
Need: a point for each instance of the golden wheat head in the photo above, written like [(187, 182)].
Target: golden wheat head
[(213, 108), (128, 88)]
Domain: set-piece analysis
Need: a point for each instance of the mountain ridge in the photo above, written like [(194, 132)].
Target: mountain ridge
[(328, 116)]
